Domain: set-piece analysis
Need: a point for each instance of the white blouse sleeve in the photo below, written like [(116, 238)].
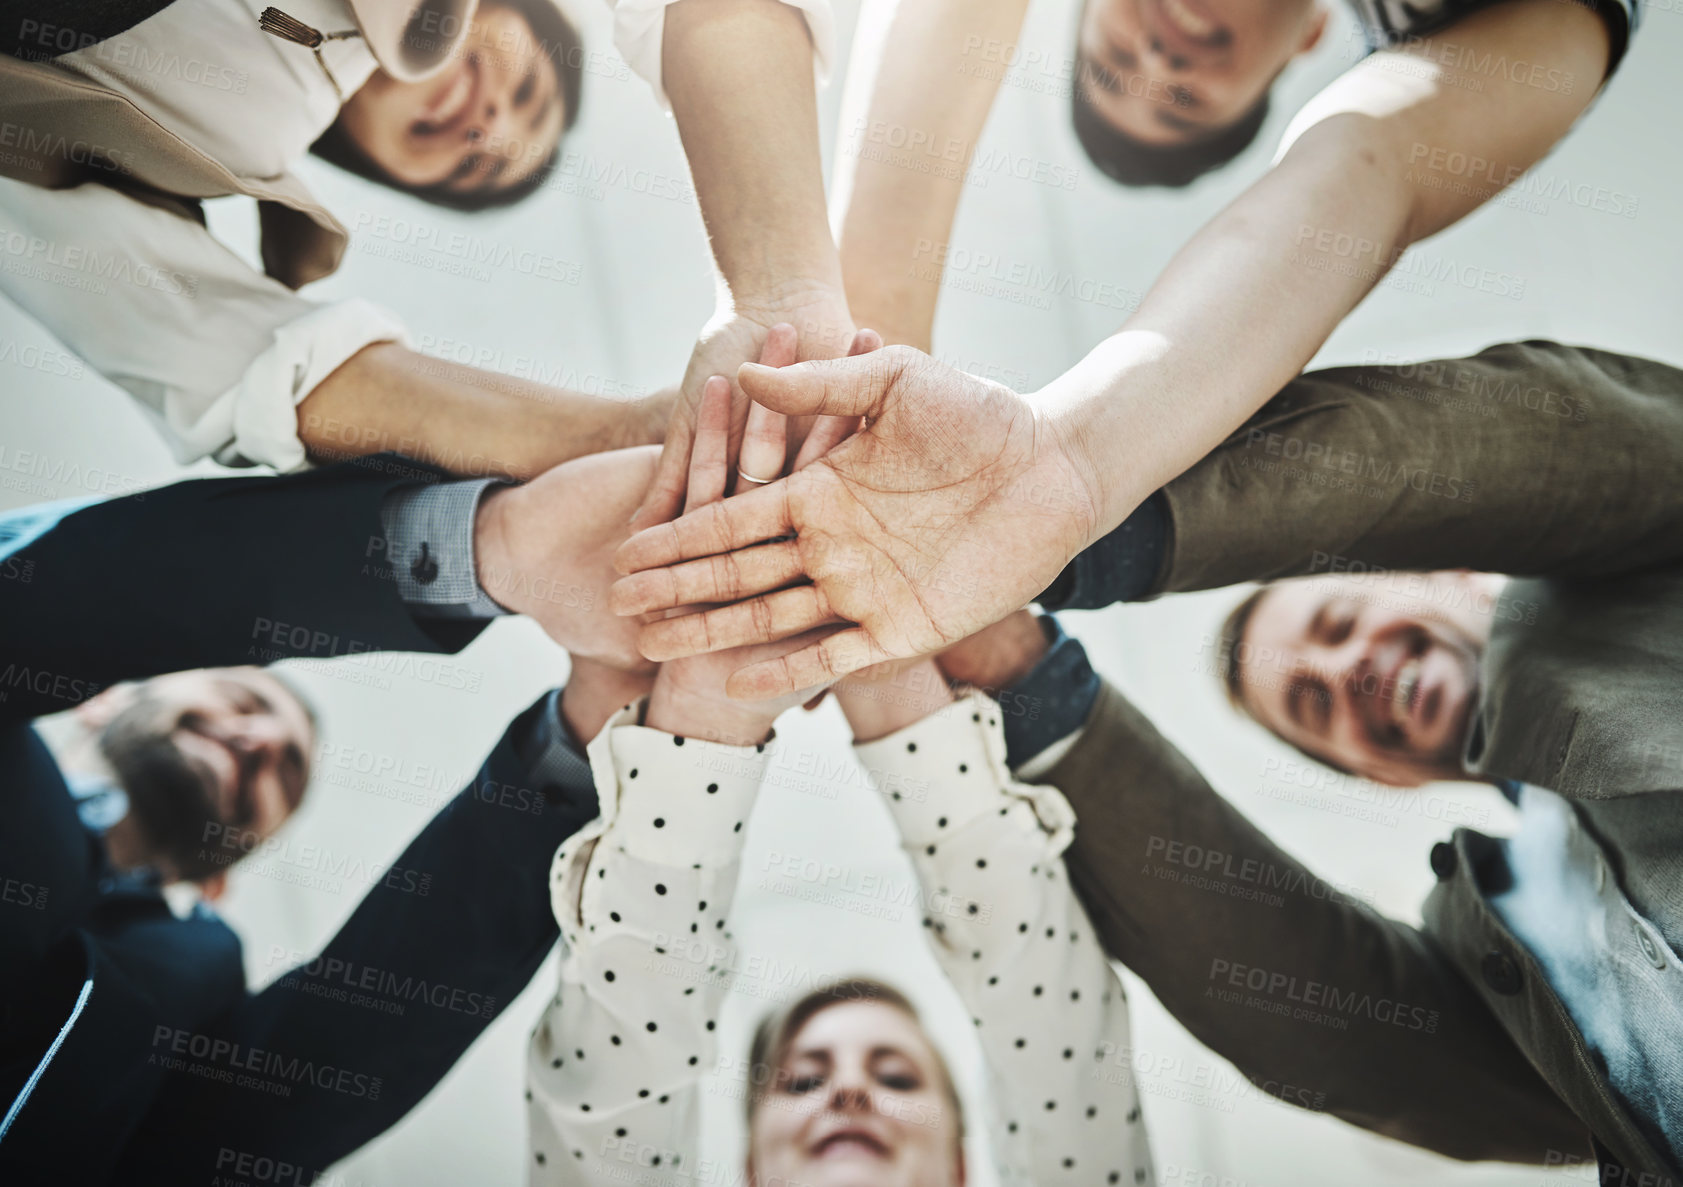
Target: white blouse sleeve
[(641, 894), (1008, 930), (639, 24), (219, 354)]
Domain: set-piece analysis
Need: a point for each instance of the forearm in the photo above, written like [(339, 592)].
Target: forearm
[(1014, 942), (930, 94), (1495, 462), (1439, 1072), (642, 895), (463, 911), (1246, 304), (299, 572), (468, 421), (740, 79), (1209, 344)]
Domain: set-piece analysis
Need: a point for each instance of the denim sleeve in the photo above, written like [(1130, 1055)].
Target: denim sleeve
[(1122, 567), (1052, 702)]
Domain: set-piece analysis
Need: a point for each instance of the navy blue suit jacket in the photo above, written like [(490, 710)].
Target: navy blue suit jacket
[(165, 1069)]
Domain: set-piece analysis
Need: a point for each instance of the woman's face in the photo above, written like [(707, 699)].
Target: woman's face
[(485, 121), (859, 1101)]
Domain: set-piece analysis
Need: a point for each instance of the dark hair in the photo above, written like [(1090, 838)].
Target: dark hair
[(557, 40), (1229, 655), (168, 796), (1132, 162), (778, 1029), (1231, 644)]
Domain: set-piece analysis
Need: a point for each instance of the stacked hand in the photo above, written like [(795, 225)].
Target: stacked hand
[(545, 549), (738, 334), (689, 695), (955, 504)]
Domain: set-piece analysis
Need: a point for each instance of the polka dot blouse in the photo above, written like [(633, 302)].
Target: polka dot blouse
[(1015, 942), (643, 892)]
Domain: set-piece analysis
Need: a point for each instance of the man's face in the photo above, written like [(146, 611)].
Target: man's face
[(226, 746), (1168, 72), (1372, 679)]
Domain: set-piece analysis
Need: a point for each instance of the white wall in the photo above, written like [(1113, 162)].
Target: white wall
[(1588, 276)]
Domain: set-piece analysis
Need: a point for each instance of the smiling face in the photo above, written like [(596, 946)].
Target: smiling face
[(859, 1099), (218, 746), (1375, 680), (1172, 72), (490, 118)]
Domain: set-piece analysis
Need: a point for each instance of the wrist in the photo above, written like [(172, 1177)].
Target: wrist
[(877, 702), (815, 306), (491, 550), (674, 711), (595, 692), (999, 656), (1092, 418)]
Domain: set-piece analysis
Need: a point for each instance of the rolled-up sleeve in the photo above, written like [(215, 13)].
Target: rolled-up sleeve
[(218, 354), (638, 25)]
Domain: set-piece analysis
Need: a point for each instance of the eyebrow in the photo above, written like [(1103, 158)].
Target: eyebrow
[(240, 690), (878, 1050)]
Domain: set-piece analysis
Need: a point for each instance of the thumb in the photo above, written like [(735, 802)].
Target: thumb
[(665, 497), (856, 386)]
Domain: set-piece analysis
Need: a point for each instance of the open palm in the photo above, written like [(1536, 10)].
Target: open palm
[(954, 506)]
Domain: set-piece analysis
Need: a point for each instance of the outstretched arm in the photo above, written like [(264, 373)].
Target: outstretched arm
[(919, 67), (1005, 924), (643, 895), (1225, 926), (1494, 462), (449, 935), (1248, 301), (739, 76), (469, 421), (951, 470), (240, 368)]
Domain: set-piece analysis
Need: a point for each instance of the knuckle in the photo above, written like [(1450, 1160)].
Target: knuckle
[(761, 617)]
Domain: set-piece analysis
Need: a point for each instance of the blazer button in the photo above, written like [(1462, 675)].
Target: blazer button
[(1650, 949), (425, 569), (1500, 973), (1443, 860)]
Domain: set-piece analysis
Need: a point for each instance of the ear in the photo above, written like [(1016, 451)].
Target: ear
[(96, 712), (213, 887), (1315, 30)]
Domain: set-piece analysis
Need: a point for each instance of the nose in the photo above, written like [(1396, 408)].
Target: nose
[(258, 735), (496, 114), (850, 1095), (1160, 61)]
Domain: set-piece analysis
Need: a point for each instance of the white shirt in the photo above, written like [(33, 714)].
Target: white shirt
[(220, 354), (217, 352), (643, 896), (206, 71)]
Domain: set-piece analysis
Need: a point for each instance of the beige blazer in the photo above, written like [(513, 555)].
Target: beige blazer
[(60, 130)]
